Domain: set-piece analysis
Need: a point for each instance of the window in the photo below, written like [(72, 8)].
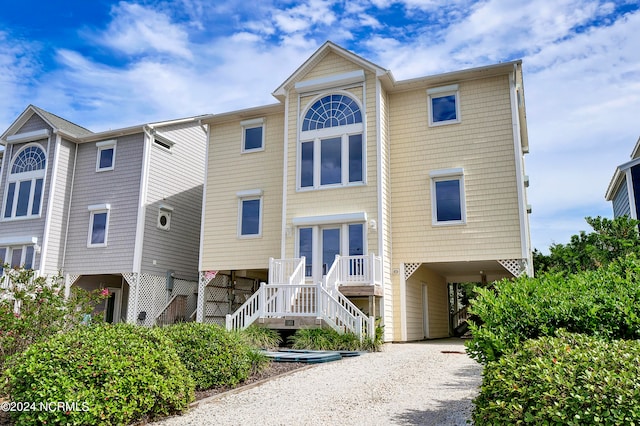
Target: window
[(25, 183), (106, 156), (250, 213), (98, 225), (252, 135), (447, 200), (331, 149), (444, 105), (17, 257)]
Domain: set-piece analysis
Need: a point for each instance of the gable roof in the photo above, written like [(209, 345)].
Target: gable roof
[(57, 123), (318, 55), (619, 175)]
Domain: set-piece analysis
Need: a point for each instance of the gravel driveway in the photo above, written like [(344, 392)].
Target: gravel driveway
[(424, 383)]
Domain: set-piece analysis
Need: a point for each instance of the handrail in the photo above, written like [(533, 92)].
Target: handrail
[(167, 309), (246, 314)]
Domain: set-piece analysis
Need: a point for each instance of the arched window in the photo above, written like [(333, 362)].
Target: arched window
[(25, 183), (331, 151)]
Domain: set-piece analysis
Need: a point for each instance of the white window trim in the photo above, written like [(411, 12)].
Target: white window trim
[(93, 210), (18, 178), (445, 175), (343, 132), (101, 147), (252, 124), (10, 248), (439, 92), (253, 194)]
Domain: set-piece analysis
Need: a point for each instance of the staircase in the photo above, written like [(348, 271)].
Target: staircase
[(287, 301), (174, 311)]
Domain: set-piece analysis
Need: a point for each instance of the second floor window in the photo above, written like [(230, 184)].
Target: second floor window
[(106, 156), (331, 149), (25, 183)]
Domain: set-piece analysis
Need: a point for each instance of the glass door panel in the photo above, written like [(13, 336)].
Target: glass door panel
[(330, 247), (306, 249)]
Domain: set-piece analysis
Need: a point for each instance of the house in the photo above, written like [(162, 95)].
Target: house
[(118, 209), (355, 196), (624, 188)]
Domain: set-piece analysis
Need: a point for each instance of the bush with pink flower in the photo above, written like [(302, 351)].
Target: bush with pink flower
[(33, 308)]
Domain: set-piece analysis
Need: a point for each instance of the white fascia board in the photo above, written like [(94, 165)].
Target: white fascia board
[(329, 219), (330, 81), (28, 136)]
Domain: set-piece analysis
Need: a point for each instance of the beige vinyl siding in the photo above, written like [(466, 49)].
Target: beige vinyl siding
[(438, 308), (121, 189), (482, 144), (229, 172), (346, 199), (176, 180), (330, 64), (60, 207)]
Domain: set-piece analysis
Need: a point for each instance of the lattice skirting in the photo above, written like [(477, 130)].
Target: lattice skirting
[(516, 266)]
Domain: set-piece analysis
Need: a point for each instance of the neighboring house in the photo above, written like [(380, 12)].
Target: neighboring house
[(118, 209), (624, 188), (383, 191)]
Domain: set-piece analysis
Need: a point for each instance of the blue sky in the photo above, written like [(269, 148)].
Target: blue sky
[(105, 64)]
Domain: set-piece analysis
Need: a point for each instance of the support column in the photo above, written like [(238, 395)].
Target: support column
[(204, 278), (133, 279)]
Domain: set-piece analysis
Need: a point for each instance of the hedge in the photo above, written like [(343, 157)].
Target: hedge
[(570, 379)]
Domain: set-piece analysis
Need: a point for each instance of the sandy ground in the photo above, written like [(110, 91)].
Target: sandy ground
[(424, 383)]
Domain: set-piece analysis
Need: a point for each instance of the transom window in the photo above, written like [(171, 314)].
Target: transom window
[(332, 111), (331, 151), (25, 183)]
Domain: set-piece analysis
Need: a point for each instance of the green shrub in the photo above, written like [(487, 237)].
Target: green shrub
[(324, 339), (213, 356), (604, 302), (43, 310), (261, 337), (569, 379), (115, 374)]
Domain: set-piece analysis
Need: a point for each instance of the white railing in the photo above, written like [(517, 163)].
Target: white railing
[(352, 270), (355, 270), (288, 296), (281, 270)]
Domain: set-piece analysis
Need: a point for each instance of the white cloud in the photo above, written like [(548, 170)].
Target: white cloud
[(138, 30)]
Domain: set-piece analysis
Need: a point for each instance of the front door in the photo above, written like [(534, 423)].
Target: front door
[(113, 305), (320, 245)]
